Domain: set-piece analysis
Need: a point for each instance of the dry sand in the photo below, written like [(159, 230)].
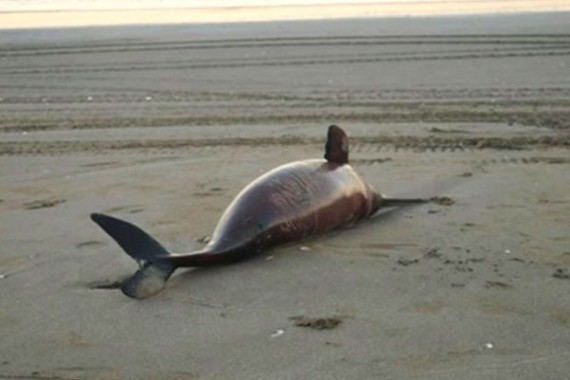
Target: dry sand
[(163, 125)]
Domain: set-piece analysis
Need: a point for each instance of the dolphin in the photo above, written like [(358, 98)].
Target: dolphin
[(290, 203)]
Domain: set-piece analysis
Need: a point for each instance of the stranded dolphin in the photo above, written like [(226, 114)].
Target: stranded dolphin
[(290, 203)]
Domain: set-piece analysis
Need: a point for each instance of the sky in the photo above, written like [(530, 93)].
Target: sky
[(28, 5), (24, 14)]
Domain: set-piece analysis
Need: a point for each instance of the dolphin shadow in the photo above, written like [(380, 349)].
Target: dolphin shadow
[(388, 214)]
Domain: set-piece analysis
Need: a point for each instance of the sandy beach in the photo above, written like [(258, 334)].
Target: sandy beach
[(163, 125)]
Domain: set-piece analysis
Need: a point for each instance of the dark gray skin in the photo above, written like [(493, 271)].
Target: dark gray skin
[(290, 203)]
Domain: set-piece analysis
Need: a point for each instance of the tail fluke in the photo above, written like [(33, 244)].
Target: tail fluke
[(148, 280), (134, 241), (145, 250)]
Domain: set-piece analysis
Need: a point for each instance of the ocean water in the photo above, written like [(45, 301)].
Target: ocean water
[(50, 5)]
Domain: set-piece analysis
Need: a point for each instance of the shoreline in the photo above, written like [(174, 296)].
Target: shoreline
[(115, 17)]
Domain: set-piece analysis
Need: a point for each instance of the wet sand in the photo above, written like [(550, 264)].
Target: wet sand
[(163, 125)]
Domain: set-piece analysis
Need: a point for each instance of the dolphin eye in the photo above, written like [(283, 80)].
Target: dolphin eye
[(260, 227)]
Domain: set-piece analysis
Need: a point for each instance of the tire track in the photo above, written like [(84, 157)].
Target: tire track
[(62, 103), (396, 143), (498, 95), (306, 62), (528, 39), (283, 58), (478, 163), (556, 120)]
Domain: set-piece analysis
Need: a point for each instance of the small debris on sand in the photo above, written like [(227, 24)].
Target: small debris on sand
[(443, 201), (326, 323), (89, 243), (432, 253), (277, 333), (204, 239), (44, 203), (497, 284), (407, 262), (105, 284), (561, 274), (441, 130)]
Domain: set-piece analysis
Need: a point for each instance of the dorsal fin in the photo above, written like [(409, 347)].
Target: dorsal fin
[(336, 148)]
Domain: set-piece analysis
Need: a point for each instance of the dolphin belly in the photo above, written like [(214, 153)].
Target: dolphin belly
[(293, 202)]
